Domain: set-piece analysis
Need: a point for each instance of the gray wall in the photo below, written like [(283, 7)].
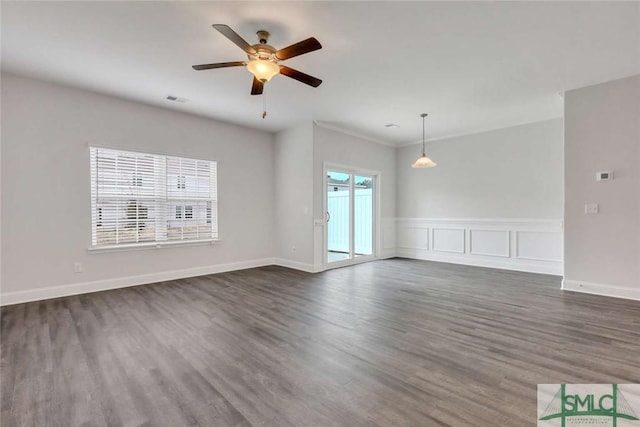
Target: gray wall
[(507, 173), (293, 191), (46, 226), (602, 132)]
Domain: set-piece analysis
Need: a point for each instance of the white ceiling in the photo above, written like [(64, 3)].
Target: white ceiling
[(471, 66)]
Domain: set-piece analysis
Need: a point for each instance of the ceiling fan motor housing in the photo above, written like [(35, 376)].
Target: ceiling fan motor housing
[(263, 51)]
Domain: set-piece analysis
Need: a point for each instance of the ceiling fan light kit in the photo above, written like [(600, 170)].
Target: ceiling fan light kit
[(263, 69), (263, 64), (423, 161)]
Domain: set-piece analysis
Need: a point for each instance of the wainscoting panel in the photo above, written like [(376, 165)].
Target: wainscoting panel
[(490, 242), (448, 240), (539, 246), (512, 244), (413, 238)]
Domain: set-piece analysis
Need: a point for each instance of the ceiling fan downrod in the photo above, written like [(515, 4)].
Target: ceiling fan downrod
[(263, 36)]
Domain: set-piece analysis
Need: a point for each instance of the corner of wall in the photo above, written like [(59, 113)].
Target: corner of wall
[(293, 186), (602, 133)]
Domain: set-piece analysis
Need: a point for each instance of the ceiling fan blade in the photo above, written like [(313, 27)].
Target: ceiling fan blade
[(257, 87), (217, 65), (226, 31), (300, 48), (300, 76)]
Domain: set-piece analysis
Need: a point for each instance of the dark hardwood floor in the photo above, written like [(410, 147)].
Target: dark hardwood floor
[(395, 342)]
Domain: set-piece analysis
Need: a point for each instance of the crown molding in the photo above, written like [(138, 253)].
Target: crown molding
[(349, 132), (458, 135)]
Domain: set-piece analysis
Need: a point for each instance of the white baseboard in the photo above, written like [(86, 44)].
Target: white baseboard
[(600, 289), (541, 267), (296, 265), (18, 297), (388, 253), (44, 293)]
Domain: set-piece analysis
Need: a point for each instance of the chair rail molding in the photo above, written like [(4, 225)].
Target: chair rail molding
[(532, 245)]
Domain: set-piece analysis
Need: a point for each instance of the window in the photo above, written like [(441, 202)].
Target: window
[(181, 182), (139, 198), (188, 213)]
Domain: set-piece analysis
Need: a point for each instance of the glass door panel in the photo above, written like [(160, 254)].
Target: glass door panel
[(338, 189), (363, 215)]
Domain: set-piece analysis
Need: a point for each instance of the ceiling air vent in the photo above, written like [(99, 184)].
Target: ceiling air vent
[(176, 99)]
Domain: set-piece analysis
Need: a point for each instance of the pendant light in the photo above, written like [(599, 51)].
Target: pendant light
[(423, 161)]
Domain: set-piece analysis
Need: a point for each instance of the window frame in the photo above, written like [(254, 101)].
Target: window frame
[(163, 204)]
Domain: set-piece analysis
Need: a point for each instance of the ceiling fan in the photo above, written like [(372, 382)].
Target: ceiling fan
[(264, 58)]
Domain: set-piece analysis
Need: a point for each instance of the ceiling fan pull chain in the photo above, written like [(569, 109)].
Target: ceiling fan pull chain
[(264, 105)]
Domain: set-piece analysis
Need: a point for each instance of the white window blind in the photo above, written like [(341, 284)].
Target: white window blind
[(139, 198)]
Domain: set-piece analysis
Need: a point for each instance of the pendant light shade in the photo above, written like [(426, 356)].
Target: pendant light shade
[(423, 161)]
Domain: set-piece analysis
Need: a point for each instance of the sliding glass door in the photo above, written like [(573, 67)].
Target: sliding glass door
[(350, 216)]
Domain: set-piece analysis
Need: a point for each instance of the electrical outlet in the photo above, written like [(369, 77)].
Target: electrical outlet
[(591, 208), (77, 267)]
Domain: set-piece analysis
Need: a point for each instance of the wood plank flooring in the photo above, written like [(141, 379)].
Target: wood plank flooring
[(394, 342)]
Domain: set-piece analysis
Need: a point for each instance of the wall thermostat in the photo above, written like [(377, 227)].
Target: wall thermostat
[(604, 176)]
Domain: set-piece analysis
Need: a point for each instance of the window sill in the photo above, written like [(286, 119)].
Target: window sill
[(151, 245)]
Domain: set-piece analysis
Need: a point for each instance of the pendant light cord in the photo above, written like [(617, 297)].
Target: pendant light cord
[(423, 147), (423, 150)]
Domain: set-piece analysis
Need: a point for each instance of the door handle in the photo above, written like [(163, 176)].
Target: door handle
[(328, 216)]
